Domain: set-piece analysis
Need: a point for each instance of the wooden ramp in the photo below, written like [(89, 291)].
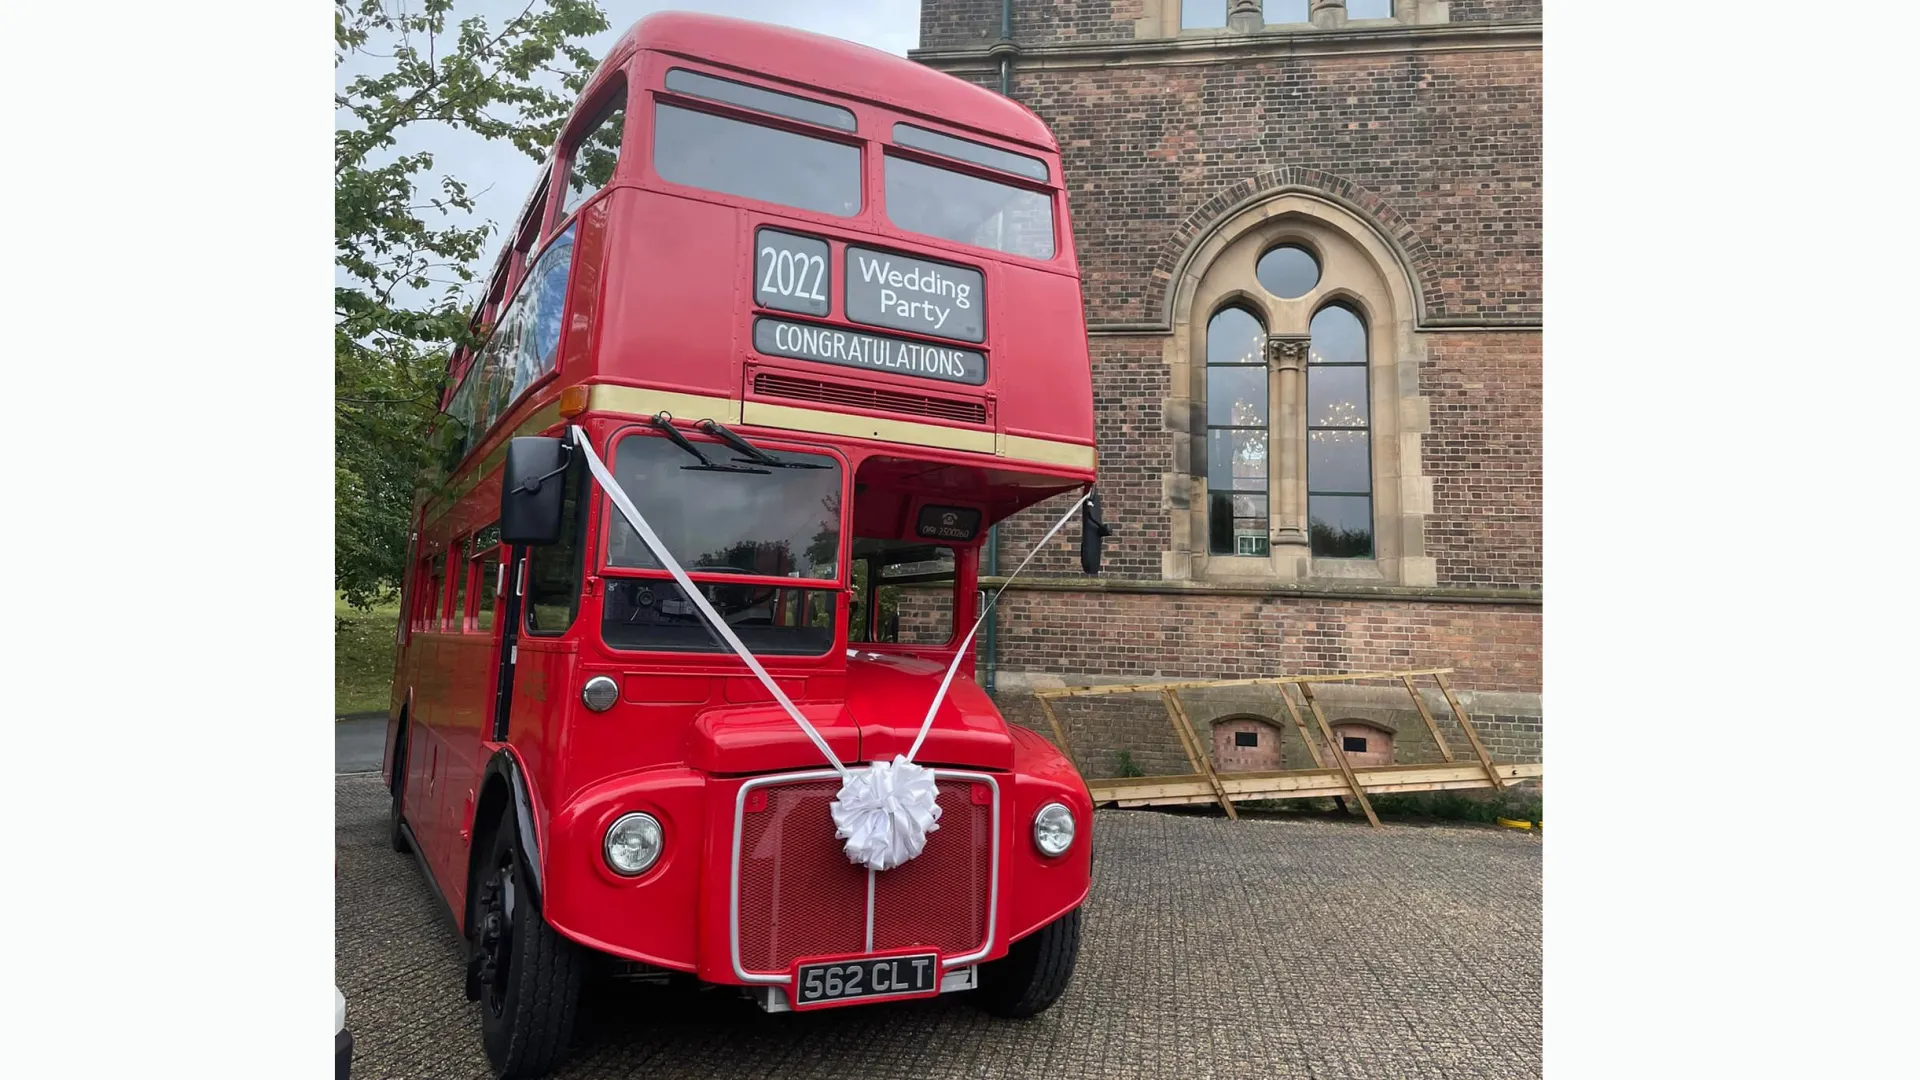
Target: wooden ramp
[(1339, 781), (1299, 783)]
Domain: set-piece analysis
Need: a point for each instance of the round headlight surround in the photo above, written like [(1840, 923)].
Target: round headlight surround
[(1054, 829), (631, 836), (600, 693)]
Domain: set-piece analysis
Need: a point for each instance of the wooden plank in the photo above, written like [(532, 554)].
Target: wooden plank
[(1304, 783), (1200, 684), (1433, 728), (1466, 725), (1202, 759), (1339, 755)]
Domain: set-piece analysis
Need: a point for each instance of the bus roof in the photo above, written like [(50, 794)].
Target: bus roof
[(842, 66)]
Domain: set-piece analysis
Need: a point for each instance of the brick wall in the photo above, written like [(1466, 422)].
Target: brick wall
[(1442, 148), (1483, 453), (1079, 21), (1492, 10), (946, 24), (1451, 141), (1152, 636)]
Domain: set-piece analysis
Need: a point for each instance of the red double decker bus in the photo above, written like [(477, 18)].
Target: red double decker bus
[(816, 308)]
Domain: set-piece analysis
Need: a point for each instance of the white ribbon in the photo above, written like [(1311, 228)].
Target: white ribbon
[(884, 811)]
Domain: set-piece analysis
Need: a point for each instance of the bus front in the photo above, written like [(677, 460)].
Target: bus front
[(834, 335)]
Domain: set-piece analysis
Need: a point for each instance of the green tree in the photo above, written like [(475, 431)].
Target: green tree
[(403, 254)]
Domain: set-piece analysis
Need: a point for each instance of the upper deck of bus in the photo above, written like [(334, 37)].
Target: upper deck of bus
[(670, 306)]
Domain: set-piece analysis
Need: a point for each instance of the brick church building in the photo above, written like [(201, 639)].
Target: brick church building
[(1309, 233)]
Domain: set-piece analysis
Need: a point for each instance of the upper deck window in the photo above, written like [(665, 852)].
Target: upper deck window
[(733, 157), (967, 150), (956, 206), (594, 157), (694, 84)]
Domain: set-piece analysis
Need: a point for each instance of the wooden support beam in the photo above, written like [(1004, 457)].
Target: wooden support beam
[(1059, 733), (1305, 736), (1421, 704), (1200, 684), (1460, 714), (1339, 755), (1202, 760)]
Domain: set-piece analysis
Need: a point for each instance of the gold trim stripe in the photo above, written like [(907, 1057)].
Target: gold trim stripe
[(1047, 451), (644, 401), (641, 401), (869, 427)]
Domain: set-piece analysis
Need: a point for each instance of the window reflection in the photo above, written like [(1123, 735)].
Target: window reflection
[(1237, 434), (1339, 446)]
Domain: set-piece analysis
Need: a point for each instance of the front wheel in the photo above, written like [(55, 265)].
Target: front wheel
[(527, 976), (1035, 971)]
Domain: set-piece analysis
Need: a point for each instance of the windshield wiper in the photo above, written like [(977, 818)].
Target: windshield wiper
[(755, 455), (664, 421)]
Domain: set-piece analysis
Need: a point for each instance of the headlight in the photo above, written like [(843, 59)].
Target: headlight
[(1053, 829), (600, 693), (633, 844)]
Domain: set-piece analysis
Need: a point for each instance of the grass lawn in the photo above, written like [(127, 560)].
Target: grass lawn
[(363, 657)]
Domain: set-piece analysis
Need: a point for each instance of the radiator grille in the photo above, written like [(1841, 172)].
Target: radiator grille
[(939, 898), (799, 896), (869, 397)]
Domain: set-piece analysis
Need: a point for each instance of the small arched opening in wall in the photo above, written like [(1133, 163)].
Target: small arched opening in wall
[(1365, 743), (1246, 744)]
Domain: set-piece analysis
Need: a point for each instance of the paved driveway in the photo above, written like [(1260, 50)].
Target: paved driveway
[(359, 745), (1256, 949)]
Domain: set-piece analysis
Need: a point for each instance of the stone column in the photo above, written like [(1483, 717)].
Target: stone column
[(1286, 458), (1328, 14), (1243, 16)]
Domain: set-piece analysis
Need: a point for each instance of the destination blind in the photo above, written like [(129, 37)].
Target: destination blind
[(852, 348)]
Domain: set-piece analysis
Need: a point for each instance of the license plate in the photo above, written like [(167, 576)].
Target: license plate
[(819, 983)]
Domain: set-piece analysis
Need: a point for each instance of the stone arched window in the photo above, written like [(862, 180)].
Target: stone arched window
[(1328, 421)]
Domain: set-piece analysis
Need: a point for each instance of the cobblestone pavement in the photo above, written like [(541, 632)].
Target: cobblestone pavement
[(1213, 949)]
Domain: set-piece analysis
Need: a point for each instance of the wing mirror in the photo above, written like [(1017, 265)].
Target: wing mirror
[(531, 490), (1092, 531)]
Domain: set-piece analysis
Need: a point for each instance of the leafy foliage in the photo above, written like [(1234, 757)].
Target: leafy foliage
[(399, 235)]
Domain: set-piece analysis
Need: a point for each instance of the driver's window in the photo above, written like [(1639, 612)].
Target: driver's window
[(902, 593)]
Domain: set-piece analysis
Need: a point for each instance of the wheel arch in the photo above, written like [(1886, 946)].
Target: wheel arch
[(506, 795)]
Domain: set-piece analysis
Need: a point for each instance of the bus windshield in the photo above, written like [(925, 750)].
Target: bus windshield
[(783, 523), (780, 524)]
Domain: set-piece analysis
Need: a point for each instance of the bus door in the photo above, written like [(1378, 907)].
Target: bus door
[(536, 652)]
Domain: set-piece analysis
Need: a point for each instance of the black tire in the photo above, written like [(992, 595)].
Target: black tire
[(1035, 971), (529, 977), (397, 836)]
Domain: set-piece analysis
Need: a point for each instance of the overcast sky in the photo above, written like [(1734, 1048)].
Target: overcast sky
[(499, 175)]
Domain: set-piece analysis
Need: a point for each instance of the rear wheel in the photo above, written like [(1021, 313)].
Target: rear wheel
[(396, 835), (1035, 971), (526, 975)]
